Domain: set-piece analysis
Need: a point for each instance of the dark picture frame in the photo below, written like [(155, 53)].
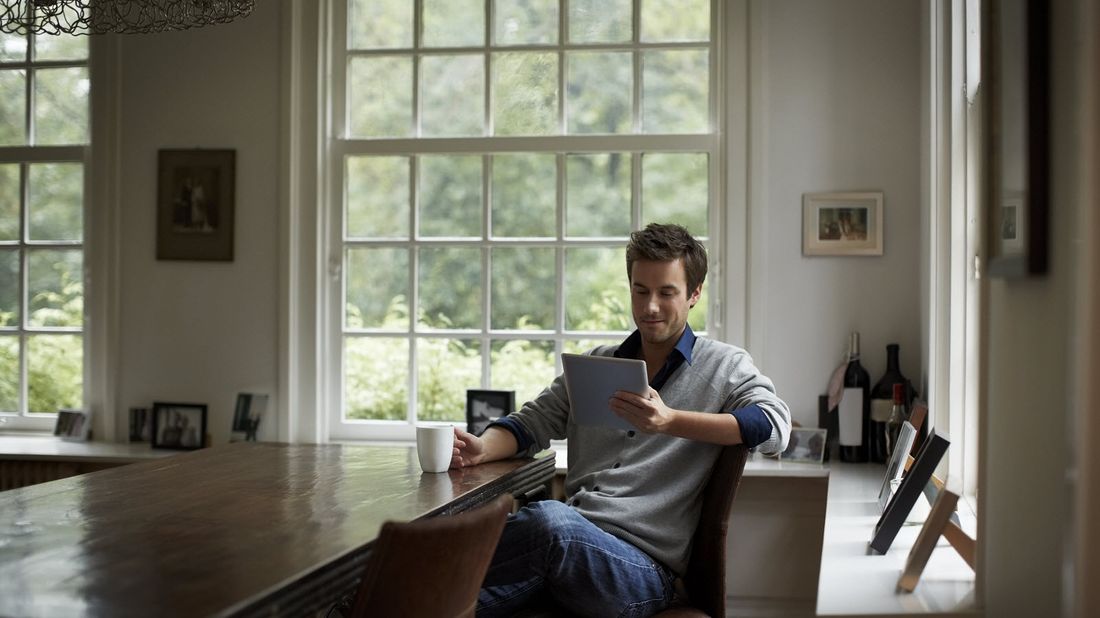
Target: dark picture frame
[(195, 204), (73, 425), (1017, 65), (180, 426), (484, 406), (911, 487), (140, 425)]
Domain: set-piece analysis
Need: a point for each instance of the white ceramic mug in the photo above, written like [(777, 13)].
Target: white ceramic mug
[(434, 447)]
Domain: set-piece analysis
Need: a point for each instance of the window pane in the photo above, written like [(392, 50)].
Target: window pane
[(597, 194), (377, 283), (600, 21), (675, 20), (524, 195), (523, 288), (13, 47), (9, 201), (61, 106), (13, 107), (596, 291), (675, 94), (9, 374), (452, 90), (376, 378), (55, 372), (526, 22), (445, 369), (525, 93), (9, 287), (454, 23), (450, 196), (374, 24), (378, 197), (450, 288), (60, 47), (55, 287), (55, 201), (525, 367), (599, 92), (674, 190), (380, 96)]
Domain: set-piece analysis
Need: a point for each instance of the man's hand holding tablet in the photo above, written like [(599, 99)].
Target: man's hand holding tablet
[(593, 380)]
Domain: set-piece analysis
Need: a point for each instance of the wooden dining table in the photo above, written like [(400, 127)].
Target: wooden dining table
[(241, 529)]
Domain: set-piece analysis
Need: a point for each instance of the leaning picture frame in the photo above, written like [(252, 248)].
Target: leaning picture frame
[(180, 426), (195, 204), (911, 487), (842, 223), (896, 465)]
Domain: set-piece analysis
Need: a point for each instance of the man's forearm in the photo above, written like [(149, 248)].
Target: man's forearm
[(712, 428), (498, 443)]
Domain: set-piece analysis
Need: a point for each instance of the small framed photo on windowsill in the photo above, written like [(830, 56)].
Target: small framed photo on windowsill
[(805, 446), (179, 425), (73, 425), (484, 407)]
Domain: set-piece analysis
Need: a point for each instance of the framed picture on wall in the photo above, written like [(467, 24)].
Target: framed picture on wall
[(195, 204), (842, 223), (1018, 79)]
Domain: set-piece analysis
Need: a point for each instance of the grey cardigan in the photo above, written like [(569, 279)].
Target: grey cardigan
[(644, 488)]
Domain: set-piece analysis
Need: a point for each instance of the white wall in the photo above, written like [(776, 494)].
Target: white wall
[(200, 331), (834, 105)]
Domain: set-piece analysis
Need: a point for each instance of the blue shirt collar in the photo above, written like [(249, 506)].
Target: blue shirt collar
[(631, 347)]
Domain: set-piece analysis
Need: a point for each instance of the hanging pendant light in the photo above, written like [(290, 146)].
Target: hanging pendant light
[(116, 16)]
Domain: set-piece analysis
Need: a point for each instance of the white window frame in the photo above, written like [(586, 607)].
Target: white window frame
[(24, 420), (955, 164), (336, 149)]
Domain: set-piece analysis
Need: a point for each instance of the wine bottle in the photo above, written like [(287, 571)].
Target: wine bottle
[(855, 407), (882, 396), (897, 417)]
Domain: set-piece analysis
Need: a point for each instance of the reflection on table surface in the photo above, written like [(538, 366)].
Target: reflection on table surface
[(222, 530)]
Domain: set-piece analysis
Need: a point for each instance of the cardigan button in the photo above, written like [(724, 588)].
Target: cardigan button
[(630, 434)]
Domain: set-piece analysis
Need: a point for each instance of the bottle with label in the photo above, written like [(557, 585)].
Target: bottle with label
[(882, 396), (855, 408), (898, 416)]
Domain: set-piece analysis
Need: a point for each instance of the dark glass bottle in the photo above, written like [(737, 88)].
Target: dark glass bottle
[(882, 395), (855, 408), (898, 415)]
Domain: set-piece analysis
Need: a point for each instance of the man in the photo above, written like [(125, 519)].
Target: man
[(617, 544)]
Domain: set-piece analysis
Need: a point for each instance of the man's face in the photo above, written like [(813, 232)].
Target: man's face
[(660, 299)]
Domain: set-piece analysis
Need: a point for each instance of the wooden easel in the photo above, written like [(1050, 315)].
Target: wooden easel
[(956, 536)]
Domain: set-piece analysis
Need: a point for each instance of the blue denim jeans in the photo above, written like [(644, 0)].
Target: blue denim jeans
[(547, 549)]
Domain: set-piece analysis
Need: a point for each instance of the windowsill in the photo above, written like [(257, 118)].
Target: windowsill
[(47, 447), (853, 582)]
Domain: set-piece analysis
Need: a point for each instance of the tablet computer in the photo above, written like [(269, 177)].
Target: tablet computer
[(592, 380)]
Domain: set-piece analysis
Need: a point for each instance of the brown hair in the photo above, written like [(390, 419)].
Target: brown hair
[(665, 242)]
